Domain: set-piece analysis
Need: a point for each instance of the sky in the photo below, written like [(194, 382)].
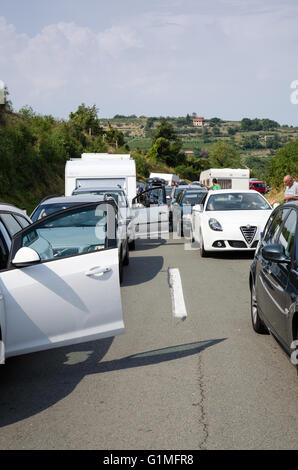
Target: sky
[(225, 58)]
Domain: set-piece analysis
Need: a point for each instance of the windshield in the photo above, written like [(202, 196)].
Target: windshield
[(192, 199), (259, 185), (237, 202), (118, 195), (48, 209)]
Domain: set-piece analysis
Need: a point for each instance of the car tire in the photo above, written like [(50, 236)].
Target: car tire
[(126, 258), (179, 229), (257, 323), (132, 245), (120, 268), (203, 252)]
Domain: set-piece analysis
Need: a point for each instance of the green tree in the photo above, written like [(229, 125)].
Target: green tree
[(284, 162), (214, 122), (165, 130), (114, 136), (232, 131), (223, 155), (86, 119), (166, 146)]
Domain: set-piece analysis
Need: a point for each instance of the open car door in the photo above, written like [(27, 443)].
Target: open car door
[(62, 282), (151, 214)]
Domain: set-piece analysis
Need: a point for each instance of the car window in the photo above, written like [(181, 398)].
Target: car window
[(236, 202), (287, 234), (81, 230), (274, 226), (119, 196), (179, 196), (177, 192), (151, 197), (47, 209), (3, 254), (11, 224), (22, 221), (193, 198)]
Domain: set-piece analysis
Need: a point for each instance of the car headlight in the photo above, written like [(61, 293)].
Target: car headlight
[(215, 225)]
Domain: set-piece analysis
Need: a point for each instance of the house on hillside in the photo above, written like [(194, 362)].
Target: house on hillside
[(198, 122), (189, 153)]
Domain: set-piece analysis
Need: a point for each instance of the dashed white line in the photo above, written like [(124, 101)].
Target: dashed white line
[(178, 304)]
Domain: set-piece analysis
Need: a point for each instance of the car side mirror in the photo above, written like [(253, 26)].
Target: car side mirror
[(275, 253), (276, 204), (25, 256), (198, 207)]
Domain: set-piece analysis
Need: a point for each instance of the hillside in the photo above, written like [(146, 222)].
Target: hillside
[(255, 146), (34, 148)]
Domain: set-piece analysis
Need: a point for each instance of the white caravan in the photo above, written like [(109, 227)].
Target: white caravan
[(101, 170), (168, 177), (228, 178)]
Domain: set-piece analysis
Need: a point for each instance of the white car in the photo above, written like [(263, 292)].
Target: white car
[(229, 220), (59, 278), (122, 202), (51, 205)]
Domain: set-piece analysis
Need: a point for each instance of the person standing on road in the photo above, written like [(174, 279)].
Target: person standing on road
[(291, 191), (215, 185)]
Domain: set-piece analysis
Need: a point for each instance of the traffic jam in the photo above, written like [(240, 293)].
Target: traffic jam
[(72, 250)]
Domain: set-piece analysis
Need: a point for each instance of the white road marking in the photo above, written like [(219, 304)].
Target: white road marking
[(178, 304)]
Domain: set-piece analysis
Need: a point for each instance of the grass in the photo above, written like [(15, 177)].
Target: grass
[(276, 195)]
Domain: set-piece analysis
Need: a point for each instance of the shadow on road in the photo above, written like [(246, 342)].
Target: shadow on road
[(149, 243), (30, 384), (232, 255), (142, 269)]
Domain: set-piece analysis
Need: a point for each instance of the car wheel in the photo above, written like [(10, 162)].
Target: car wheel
[(203, 252), (120, 268), (132, 245), (126, 258), (181, 229), (257, 323)]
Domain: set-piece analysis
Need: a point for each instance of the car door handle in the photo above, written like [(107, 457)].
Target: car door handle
[(98, 271)]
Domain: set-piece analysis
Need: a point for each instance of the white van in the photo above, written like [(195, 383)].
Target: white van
[(228, 178), (101, 170), (168, 177)]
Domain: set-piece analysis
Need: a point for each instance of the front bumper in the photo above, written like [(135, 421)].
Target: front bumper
[(229, 241)]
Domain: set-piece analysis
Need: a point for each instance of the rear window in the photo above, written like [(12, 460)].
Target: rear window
[(22, 221), (193, 198), (48, 209), (11, 224), (259, 185)]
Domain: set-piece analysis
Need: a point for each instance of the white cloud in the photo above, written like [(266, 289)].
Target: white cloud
[(117, 39), (170, 59)]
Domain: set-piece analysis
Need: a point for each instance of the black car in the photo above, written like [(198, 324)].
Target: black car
[(274, 279)]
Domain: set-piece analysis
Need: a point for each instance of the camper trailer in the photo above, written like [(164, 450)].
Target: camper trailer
[(101, 170), (228, 178)]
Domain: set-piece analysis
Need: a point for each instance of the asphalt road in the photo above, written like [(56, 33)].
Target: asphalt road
[(203, 382)]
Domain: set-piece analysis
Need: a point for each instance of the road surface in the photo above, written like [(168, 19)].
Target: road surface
[(203, 380)]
